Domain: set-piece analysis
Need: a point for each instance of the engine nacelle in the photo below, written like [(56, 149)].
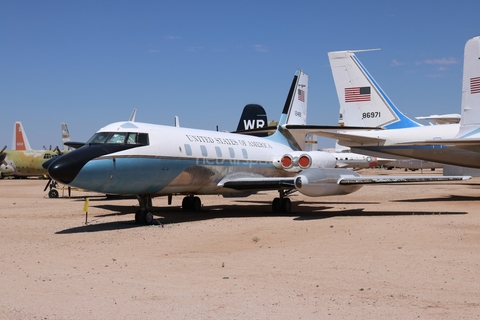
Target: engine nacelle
[(296, 161), (316, 182), (317, 159)]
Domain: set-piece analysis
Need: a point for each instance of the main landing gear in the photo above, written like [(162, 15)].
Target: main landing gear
[(282, 204), (144, 215), (191, 203)]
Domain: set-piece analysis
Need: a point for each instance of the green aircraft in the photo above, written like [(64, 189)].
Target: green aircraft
[(22, 161), (25, 163)]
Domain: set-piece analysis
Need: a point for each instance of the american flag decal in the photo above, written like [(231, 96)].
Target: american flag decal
[(357, 94), (301, 95), (475, 85)]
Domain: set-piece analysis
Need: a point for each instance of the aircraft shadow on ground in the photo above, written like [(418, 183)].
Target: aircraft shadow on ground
[(301, 211), (446, 199)]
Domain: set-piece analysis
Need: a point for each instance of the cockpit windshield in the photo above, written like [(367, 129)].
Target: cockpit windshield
[(119, 138)]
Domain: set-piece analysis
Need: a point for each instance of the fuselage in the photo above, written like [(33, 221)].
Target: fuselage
[(169, 160), (395, 138), (26, 163), (403, 135)]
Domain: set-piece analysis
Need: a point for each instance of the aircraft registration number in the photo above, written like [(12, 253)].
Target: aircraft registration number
[(368, 115)]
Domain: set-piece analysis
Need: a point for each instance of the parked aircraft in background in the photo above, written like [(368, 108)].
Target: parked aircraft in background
[(376, 109), (255, 115), (24, 162), (148, 160), (19, 139)]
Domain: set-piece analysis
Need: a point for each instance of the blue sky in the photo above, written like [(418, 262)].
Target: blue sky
[(89, 63)]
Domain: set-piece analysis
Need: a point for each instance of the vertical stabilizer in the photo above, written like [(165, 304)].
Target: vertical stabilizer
[(253, 117), (65, 135), (298, 105), (20, 141), (363, 103), (294, 112), (471, 86), (295, 108)]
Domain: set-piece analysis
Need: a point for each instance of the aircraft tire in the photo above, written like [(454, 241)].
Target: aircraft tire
[(276, 205), (53, 193), (286, 205), (139, 217), (196, 204), (148, 217), (187, 203)]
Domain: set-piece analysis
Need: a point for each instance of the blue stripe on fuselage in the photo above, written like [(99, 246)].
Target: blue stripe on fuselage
[(404, 121), (148, 175)]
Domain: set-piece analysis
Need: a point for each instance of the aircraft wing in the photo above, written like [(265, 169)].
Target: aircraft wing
[(331, 132), (442, 119), (260, 183), (448, 142), (264, 183), (349, 137), (398, 179)]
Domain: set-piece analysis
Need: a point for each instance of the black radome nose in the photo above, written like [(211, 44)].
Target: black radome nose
[(64, 169)]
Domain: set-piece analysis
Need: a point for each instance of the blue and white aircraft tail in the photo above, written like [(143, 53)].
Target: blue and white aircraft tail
[(454, 144), (470, 117), (363, 103), (149, 160)]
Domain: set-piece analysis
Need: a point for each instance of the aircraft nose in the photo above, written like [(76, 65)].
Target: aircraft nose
[(64, 169)]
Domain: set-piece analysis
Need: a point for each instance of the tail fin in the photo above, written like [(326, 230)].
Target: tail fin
[(253, 117), (295, 108), (362, 102), (470, 119), (65, 135), (20, 141), (294, 112)]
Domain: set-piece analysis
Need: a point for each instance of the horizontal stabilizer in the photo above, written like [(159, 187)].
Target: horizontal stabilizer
[(73, 144)]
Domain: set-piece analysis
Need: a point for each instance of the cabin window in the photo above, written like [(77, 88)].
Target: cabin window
[(203, 149), (218, 151), (49, 156), (245, 154), (232, 152), (132, 138), (142, 139), (119, 138), (188, 149), (99, 137)]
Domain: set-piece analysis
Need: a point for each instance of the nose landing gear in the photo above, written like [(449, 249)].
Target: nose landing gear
[(144, 215)]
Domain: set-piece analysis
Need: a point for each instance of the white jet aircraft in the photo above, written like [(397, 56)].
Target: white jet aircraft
[(148, 160), (364, 103)]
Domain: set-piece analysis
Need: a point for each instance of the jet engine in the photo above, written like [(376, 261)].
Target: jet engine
[(316, 182), (297, 161)]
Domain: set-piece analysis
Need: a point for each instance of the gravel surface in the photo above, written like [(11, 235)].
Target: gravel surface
[(386, 251)]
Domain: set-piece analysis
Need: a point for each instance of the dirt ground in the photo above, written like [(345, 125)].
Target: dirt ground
[(386, 251)]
